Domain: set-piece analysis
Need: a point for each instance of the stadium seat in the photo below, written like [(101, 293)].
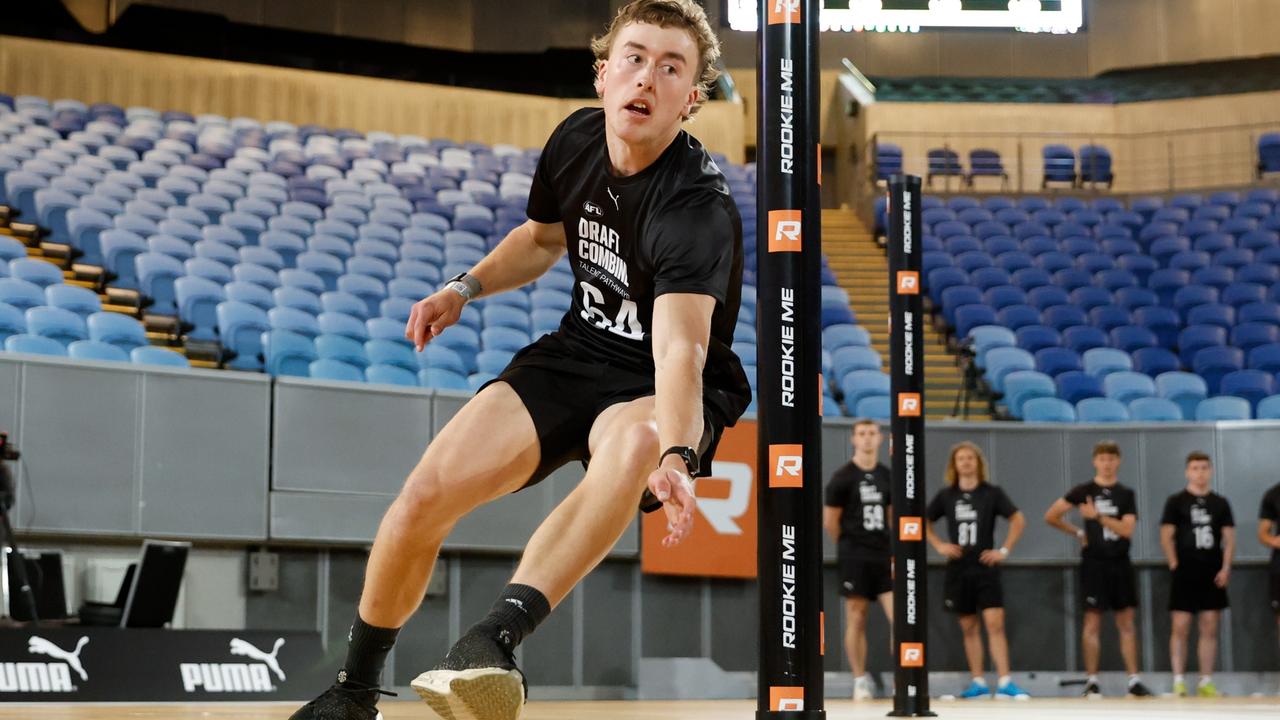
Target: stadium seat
[(1015, 317), (391, 375), (1185, 389), (1074, 386), (240, 327), (1269, 408), (1049, 409), (1101, 410), (1059, 165), (860, 384), (1223, 408), (335, 370), (1195, 338), (1023, 385), (441, 379), (57, 324), (288, 353), (1128, 386), (149, 355), (1053, 361), (1154, 409), (1102, 361), (875, 407), (34, 345)]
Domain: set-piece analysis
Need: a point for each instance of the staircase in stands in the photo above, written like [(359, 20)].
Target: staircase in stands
[(862, 268)]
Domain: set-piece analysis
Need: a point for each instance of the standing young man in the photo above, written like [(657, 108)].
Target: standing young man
[(1269, 536), (971, 505), (1198, 536), (857, 516), (1107, 579), (639, 378)]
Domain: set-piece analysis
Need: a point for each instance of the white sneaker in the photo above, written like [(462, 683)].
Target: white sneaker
[(862, 688)]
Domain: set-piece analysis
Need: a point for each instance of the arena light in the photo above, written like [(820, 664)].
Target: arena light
[(870, 15)]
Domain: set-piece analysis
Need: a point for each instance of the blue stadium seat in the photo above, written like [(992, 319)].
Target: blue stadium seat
[(850, 358), (36, 272), (1154, 409), (149, 355), (1212, 363), (441, 379), (81, 301), (1095, 165), (1030, 278), (1131, 338), (1223, 316), (94, 350), (240, 327), (1053, 361), (288, 353), (1049, 409), (1214, 276), (1102, 361), (838, 336), (988, 277), (1088, 298), (197, 299), (1072, 279), (1061, 317), (1016, 317), (1185, 389), (1003, 360), (1252, 385), (1108, 317), (1002, 296), (1223, 408), (1034, 338), (1155, 360), (391, 375), (1074, 386), (1128, 386), (860, 384), (988, 337), (1082, 338), (1048, 296), (349, 350), (1195, 338), (335, 370), (1101, 410), (57, 324), (1059, 165), (34, 345)]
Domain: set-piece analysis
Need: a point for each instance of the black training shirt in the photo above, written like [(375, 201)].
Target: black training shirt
[(1198, 522), (971, 516), (863, 497), (1115, 501), (671, 228), (1271, 511)]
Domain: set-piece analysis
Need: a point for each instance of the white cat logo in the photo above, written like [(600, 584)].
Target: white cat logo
[(40, 646), (242, 648)]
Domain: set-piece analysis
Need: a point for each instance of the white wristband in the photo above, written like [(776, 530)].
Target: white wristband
[(1004, 551)]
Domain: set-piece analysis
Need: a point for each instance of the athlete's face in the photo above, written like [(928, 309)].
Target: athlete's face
[(1106, 465), (1199, 473), (966, 462), (648, 84), (866, 439)]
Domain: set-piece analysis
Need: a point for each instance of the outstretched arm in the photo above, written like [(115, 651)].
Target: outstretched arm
[(681, 331)]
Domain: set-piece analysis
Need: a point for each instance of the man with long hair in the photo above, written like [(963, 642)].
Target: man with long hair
[(857, 515), (1269, 536), (639, 378), (972, 590), (1107, 579)]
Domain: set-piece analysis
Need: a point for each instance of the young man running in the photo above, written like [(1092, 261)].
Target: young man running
[(1198, 536), (639, 378), (971, 507), (857, 516), (1107, 580)]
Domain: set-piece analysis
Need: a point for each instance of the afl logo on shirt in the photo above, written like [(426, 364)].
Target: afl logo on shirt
[(592, 210)]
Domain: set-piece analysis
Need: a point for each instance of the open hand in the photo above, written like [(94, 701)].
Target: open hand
[(675, 490), (991, 558), (1221, 579), (1088, 510), (951, 550)]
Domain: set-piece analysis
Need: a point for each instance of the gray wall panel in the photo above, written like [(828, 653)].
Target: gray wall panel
[(347, 438), (204, 445), (326, 517), (735, 638), (10, 396), (80, 448), (1254, 645), (945, 648), (1035, 612), (606, 621), (424, 640), (1029, 466), (1164, 455), (671, 613), (294, 606), (1245, 468)]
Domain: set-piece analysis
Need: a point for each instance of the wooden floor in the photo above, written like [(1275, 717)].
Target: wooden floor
[(1160, 709)]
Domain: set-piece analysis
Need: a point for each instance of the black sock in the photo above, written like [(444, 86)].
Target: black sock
[(367, 653), (518, 611)]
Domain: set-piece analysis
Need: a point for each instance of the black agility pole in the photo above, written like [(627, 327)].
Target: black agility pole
[(788, 327), (906, 387)]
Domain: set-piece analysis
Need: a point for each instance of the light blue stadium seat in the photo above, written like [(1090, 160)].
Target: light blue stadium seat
[(335, 370), (387, 352), (859, 384), (1154, 409), (156, 274), (122, 331), (441, 379), (1126, 386), (1102, 410), (197, 299), (503, 338), (240, 327), (477, 380), (297, 298), (94, 350), (1023, 385), (391, 375), (81, 301), (34, 345), (36, 272), (1269, 408), (1185, 389), (1049, 409), (1003, 360), (1223, 407), (1102, 361), (288, 353), (149, 355), (345, 349), (55, 323), (875, 407)]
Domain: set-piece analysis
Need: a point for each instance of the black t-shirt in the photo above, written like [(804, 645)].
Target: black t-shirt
[(671, 228), (1198, 522), (863, 497), (971, 516), (1115, 501), (1271, 511)]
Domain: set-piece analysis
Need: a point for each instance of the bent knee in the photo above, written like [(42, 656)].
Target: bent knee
[(640, 445)]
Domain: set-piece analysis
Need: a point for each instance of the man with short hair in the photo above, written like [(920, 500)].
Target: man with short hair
[(1198, 536), (639, 378), (1107, 579), (857, 515)]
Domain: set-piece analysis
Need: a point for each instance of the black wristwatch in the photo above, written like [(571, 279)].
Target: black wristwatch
[(465, 285), (687, 454)]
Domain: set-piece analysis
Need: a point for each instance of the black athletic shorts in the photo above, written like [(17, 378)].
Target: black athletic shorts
[(1107, 584), (564, 396), (1193, 588), (1275, 591), (863, 574), (971, 587)]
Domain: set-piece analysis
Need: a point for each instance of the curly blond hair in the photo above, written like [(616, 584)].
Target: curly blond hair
[(953, 475), (684, 14)]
